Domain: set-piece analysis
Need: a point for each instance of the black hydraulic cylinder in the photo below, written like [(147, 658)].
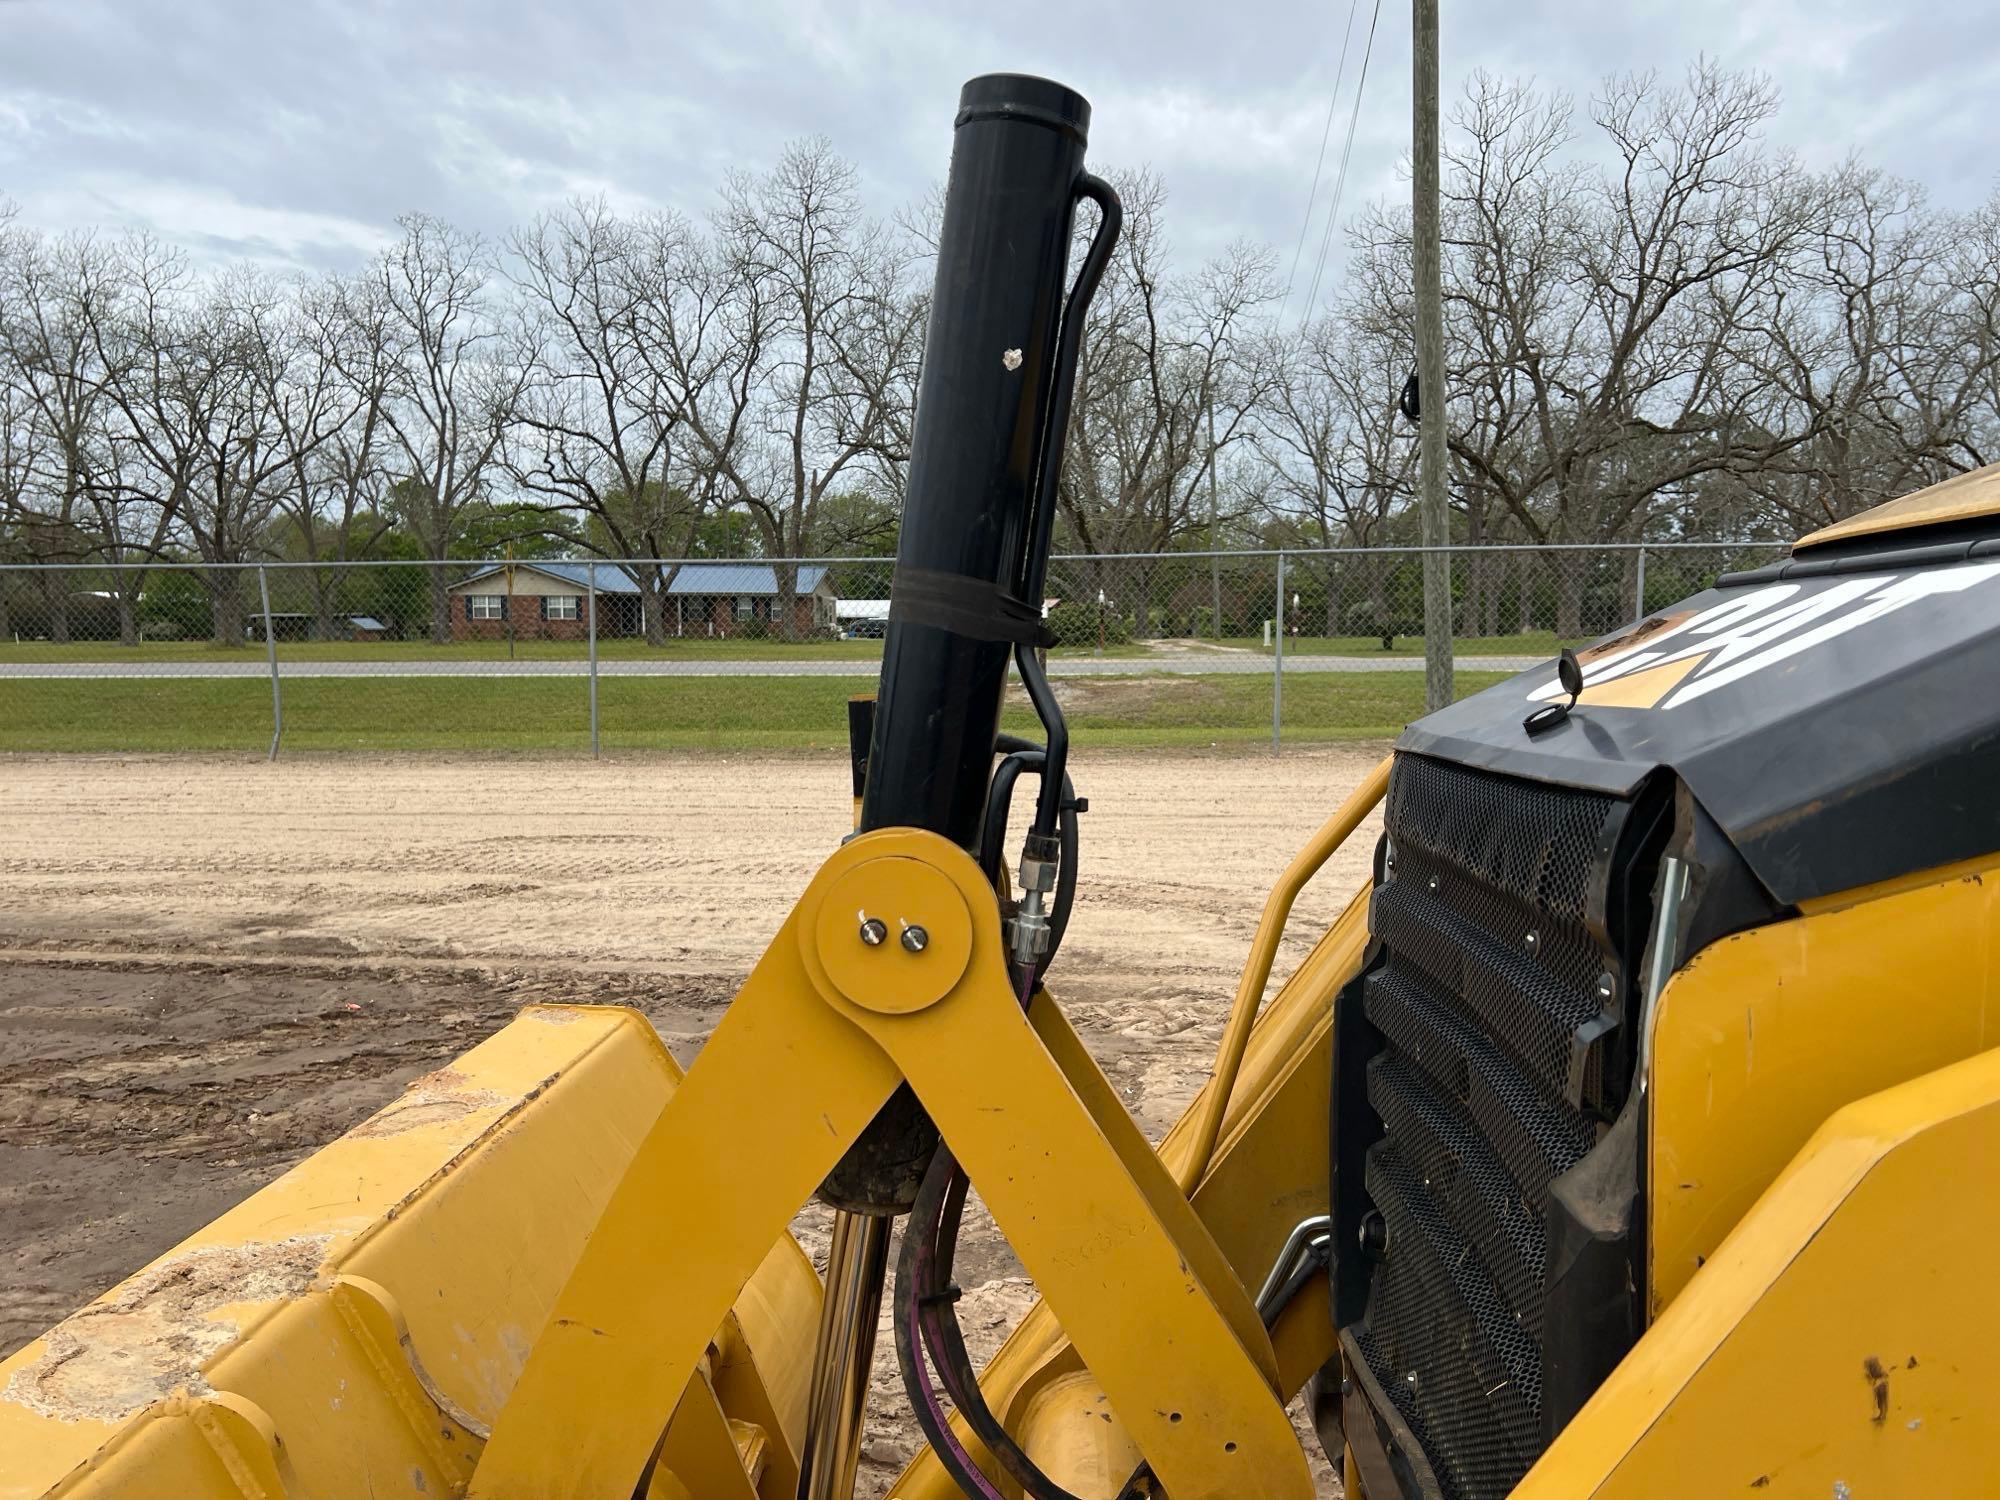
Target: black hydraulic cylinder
[(988, 366), (982, 412)]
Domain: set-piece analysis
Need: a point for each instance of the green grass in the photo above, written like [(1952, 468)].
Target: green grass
[(661, 713), (1532, 643)]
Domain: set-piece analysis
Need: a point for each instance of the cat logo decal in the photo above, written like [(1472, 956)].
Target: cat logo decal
[(1666, 661)]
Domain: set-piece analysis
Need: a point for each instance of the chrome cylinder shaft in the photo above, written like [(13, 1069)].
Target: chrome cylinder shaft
[(843, 1353)]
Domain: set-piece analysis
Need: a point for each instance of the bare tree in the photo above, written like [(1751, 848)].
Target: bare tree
[(1341, 469), (1169, 380), (327, 368), (52, 293), (17, 441), (1606, 323), (206, 409), (601, 428), (1882, 355), (820, 299), (453, 394)]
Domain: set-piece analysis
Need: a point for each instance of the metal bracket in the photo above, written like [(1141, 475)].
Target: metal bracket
[(825, 1029)]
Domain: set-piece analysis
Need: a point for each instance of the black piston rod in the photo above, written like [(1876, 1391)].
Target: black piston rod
[(969, 523)]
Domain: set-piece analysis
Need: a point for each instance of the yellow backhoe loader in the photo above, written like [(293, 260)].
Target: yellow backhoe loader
[(1631, 1134)]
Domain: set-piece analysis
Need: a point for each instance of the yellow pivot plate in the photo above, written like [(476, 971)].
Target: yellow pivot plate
[(892, 934)]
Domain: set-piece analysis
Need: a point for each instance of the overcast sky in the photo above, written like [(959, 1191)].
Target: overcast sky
[(295, 131)]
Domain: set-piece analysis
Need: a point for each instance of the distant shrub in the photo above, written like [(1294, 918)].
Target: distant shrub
[(1074, 623)]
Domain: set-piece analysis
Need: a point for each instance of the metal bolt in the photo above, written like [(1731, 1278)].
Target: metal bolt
[(915, 939), (1434, 882), (1533, 941), (1374, 1235), (1346, 1386), (1604, 988), (874, 931)]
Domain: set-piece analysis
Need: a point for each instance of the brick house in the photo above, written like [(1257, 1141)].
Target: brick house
[(547, 601)]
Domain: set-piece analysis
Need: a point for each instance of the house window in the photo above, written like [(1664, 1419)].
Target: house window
[(746, 607), (485, 606), (563, 607)]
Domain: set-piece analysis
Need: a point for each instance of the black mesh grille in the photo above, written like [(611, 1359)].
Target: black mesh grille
[(1530, 987), (1460, 1172), (1538, 1138), (1478, 1407), (1532, 841), (1492, 998)]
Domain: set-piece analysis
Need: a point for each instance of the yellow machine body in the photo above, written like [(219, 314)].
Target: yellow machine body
[(1760, 1037), (558, 1268), (1840, 1341)]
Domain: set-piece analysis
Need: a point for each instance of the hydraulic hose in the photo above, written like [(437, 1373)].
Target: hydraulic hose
[(1048, 485), (924, 1321), (913, 1278), (1035, 678), (1069, 350)]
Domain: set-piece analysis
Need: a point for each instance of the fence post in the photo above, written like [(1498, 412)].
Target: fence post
[(271, 655), (590, 609), (1278, 660), (1641, 614)]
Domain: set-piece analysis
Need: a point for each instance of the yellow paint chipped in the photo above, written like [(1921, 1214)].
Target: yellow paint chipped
[(154, 1336), (434, 1099)]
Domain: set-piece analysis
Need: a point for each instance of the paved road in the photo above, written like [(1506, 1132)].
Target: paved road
[(1184, 663)]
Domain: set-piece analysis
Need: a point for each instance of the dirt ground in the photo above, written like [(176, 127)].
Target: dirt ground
[(210, 966)]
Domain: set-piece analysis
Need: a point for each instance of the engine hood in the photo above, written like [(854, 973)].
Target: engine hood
[(1840, 721)]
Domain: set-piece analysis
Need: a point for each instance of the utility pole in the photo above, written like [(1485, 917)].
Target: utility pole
[(1214, 528), (1430, 356)]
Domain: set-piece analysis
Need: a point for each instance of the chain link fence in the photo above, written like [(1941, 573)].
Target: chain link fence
[(572, 654)]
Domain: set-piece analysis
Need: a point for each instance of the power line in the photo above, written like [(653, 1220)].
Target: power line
[(1326, 134), (1341, 177)]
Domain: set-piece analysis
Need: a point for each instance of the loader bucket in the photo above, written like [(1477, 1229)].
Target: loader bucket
[(367, 1314)]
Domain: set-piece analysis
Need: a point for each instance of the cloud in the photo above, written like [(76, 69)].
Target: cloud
[(208, 223), (296, 133)]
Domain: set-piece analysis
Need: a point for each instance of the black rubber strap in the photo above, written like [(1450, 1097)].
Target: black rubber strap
[(970, 607)]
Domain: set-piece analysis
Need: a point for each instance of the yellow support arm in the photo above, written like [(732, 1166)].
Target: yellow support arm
[(819, 1037), (1267, 1172)]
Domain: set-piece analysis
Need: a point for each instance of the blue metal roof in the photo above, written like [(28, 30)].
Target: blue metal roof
[(695, 578)]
